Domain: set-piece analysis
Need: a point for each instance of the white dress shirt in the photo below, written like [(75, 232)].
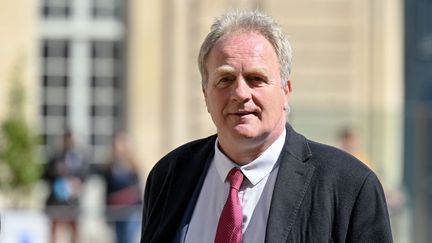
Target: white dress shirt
[(214, 193)]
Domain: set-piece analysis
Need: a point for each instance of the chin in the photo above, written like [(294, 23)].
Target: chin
[(246, 132)]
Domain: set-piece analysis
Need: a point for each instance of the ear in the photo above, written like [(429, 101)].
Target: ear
[(204, 93), (287, 91), (205, 98)]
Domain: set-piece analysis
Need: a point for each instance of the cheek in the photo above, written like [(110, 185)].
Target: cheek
[(213, 103), (275, 103), (217, 98)]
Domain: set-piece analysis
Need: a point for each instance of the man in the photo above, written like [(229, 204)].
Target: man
[(258, 180)]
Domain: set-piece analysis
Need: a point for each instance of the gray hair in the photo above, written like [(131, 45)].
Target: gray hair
[(253, 21)]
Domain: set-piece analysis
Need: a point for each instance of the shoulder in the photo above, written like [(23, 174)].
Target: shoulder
[(329, 163), (334, 157), (186, 151), (186, 161), (332, 165)]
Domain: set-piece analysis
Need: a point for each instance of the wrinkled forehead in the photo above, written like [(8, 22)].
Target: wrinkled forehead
[(248, 42), (250, 49)]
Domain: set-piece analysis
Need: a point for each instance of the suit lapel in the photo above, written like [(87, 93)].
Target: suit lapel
[(290, 187)]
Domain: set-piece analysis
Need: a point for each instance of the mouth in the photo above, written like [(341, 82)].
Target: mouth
[(244, 113)]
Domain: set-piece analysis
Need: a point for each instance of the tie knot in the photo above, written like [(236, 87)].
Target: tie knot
[(235, 177)]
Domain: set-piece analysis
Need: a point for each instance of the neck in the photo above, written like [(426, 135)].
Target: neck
[(243, 157), (246, 150)]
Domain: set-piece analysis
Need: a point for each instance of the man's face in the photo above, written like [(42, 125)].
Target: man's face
[(244, 95)]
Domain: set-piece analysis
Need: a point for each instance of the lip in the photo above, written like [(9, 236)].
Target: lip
[(243, 113)]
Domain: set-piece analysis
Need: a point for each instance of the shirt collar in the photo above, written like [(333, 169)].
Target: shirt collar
[(256, 170)]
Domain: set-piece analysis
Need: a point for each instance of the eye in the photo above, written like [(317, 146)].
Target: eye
[(225, 81), (256, 80)]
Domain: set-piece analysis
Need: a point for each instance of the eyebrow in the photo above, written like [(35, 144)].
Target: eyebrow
[(226, 69), (259, 71)]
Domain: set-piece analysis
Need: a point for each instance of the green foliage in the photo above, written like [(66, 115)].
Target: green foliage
[(19, 165), (18, 155)]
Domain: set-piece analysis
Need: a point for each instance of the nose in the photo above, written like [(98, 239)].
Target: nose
[(241, 91)]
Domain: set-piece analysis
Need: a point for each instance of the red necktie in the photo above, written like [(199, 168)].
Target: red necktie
[(229, 229)]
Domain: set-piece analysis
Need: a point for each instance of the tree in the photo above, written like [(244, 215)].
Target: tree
[(19, 164)]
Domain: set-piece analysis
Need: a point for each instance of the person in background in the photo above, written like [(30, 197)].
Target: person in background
[(258, 180), (350, 144), (123, 191), (65, 173)]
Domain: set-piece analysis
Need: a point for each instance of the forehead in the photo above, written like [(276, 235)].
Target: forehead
[(243, 45)]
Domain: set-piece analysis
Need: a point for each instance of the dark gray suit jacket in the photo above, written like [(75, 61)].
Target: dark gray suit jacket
[(321, 194)]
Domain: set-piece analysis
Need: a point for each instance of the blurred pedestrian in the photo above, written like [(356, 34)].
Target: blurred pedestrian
[(349, 143), (123, 191), (65, 174)]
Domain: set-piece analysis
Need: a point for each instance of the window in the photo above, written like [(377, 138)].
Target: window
[(54, 103), (106, 8), (56, 8), (106, 95), (82, 73)]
